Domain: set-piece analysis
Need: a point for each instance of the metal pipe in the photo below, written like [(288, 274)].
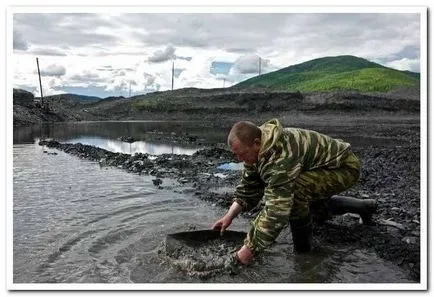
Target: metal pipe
[(40, 84)]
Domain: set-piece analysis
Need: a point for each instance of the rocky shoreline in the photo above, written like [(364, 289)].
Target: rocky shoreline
[(390, 174)]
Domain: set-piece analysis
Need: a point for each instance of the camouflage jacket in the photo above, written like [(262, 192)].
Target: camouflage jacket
[(284, 154)]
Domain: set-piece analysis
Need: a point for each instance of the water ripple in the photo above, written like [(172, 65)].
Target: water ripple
[(76, 222)]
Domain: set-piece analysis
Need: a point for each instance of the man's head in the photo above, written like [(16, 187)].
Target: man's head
[(244, 139)]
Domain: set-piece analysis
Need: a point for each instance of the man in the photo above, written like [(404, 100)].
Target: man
[(296, 171)]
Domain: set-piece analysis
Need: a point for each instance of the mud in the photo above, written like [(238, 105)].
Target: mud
[(390, 157), (198, 256)]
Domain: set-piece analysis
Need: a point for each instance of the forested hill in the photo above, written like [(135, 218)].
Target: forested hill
[(335, 73)]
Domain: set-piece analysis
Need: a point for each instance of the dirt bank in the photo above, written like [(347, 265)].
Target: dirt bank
[(207, 104)]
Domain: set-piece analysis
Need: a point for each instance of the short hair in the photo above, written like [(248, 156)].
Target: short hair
[(245, 131)]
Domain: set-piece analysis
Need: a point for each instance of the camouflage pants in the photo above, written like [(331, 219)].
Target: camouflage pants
[(313, 188)]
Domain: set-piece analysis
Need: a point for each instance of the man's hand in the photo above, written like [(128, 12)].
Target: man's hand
[(225, 221), (222, 224), (244, 255)]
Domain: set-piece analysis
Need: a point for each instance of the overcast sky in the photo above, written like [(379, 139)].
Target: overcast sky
[(102, 54)]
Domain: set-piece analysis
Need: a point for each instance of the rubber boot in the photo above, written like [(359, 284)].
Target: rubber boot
[(301, 230), (343, 204)]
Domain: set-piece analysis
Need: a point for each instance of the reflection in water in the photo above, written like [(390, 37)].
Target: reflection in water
[(202, 131), (161, 137), (118, 146), (231, 166)]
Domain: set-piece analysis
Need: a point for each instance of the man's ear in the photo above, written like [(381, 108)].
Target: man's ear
[(257, 141)]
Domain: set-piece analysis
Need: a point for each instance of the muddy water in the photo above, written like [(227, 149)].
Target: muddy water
[(75, 222)]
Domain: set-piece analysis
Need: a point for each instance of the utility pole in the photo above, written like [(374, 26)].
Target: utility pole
[(173, 72), (259, 65), (224, 80), (129, 93), (40, 84)]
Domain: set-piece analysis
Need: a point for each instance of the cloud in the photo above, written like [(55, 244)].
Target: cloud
[(117, 85), (73, 30), (47, 52), (162, 56), (105, 68), (52, 70), (248, 64), (245, 33), (411, 52), (240, 50), (184, 58), (197, 74), (149, 79), (405, 64), (18, 42), (206, 31), (119, 73), (86, 77)]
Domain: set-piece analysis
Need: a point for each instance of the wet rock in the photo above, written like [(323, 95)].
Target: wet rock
[(49, 153), (128, 139), (192, 138), (184, 190), (410, 239), (415, 233), (157, 182), (184, 180), (49, 143), (215, 153), (392, 223)]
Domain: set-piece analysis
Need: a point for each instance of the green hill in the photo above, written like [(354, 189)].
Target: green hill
[(335, 73)]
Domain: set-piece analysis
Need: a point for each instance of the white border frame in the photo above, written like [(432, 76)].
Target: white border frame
[(422, 10)]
